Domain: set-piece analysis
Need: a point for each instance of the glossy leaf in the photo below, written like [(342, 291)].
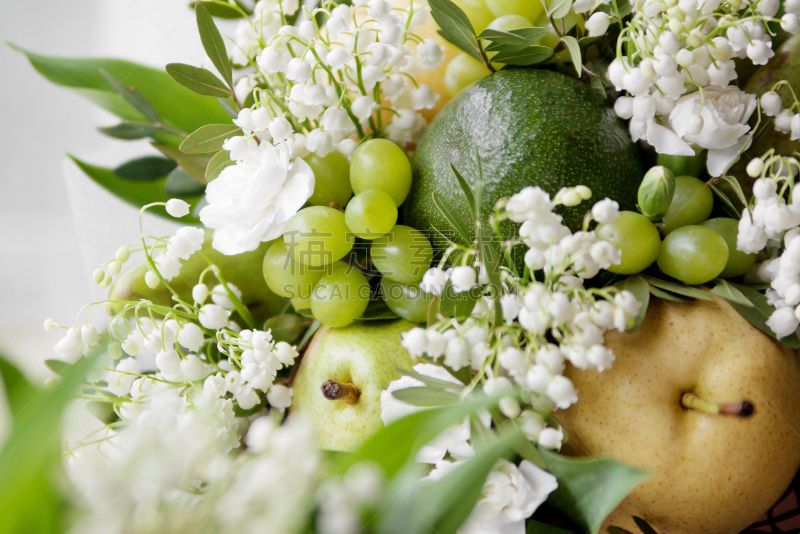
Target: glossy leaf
[(589, 489), (729, 292), (688, 291), (145, 169), (180, 184), (424, 396), (129, 130), (135, 193), (209, 138), (455, 27), (641, 290), (175, 105), (219, 161), (759, 313), (197, 79), (288, 328), (574, 52), (132, 96), (532, 55), (213, 43)]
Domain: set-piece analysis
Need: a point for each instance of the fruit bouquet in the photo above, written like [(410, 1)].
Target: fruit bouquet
[(474, 266)]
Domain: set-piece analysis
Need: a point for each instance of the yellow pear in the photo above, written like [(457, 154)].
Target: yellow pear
[(711, 473)]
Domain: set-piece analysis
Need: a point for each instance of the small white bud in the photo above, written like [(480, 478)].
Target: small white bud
[(98, 276), (106, 281), (123, 254), (177, 207), (151, 279), (114, 268), (200, 293), (755, 168), (49, 325)]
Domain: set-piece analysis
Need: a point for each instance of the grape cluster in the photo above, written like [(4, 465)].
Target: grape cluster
[(332, 249), (694, 249)]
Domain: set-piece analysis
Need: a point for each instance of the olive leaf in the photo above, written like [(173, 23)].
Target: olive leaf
[(519, 39), (213, 43), (666, 295), (201, 81), (208, 138), (455, 27), (574, 52), (759, 313), (129, 130), (641, 290), (559, 8), (729, 292), (180, 184), (288, 327), (526, 57), (145, 169), (223, 9), (132, 96), (687, 291), (431, 382), (426, 397), (453, 217), (219, 161)]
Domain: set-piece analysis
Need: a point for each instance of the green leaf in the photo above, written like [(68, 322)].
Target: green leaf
[(680, 289), (457, 305), (19, 392), (129, 130), (455, 27), (455, 218), (644, 526), (523, 58), (222, 10), (132, 96), (597, 85), (535, 527), (559, 8), (520, 38), (759, 313), (219, 161), (209, 138), (434, 383), (135, 193), (288, 328), (574, 52), (666, 295), (465, 188), (178, 107), (641, 290), (145, 169), (727, 291), (213, 43), (59, 367), (180, 184), (377, 310), (194, 164), (426, 397), (589, 488), (198, 80)]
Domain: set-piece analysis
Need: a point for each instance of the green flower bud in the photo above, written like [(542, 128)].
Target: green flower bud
[(656, 191)]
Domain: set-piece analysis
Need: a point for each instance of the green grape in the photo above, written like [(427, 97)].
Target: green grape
[(371, 214), (462, 71), (530, 9), (318, 236), (693, 254), (341, 296), (331, 179), (691, 204), (404, 254), (636, 237), (477, 13), (286, 276), (738, 262), (381, 164), (406, 300)]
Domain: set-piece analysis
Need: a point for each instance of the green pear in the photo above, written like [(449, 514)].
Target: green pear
[(242, 270), (340, 379), (705, 402)]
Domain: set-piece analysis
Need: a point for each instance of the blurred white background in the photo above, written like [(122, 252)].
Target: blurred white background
[(55, 224)]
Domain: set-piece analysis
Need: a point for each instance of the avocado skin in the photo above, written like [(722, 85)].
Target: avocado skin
[(531, 127)]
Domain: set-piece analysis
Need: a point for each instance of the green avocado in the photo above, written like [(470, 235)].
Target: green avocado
[(531, 127), (242, 270)]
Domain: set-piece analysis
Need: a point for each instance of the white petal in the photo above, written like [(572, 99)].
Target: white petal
[(666, 141), (720, 159)]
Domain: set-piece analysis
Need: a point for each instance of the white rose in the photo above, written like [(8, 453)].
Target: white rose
[(251, 201)]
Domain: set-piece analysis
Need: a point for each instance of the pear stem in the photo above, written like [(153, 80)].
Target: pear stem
[(744, 408), (333, 390)]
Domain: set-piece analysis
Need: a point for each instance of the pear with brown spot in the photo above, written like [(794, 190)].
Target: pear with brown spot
[(338, 385), (707, 403)]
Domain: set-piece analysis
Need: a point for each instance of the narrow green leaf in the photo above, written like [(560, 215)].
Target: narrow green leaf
[(377, 310), (759, 313), (641, 290), (521, 37), (528, 451), (59, 367), (194, 164), (574, 52), (666, 295), (727, 291), (219, 161), (19, 392), (180, 184), (455, 27), (559, 9), (288, 327), (145, 169), (688, 291), (222, 10), (177, 106), (465, 187), (599, 88), (434, 383), (132, 96), (213, 43), (589, 488), (424, 396), (129, 130), (453, 217), (228, 107), (198, 79), (526, 57), (209, 138), (644, 526)]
